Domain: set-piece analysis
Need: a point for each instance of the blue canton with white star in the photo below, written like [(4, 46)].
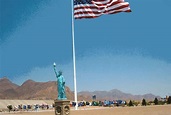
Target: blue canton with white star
[(77, 2)]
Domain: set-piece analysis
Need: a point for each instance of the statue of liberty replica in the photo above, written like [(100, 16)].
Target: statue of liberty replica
[(60, 84), (62, 105)]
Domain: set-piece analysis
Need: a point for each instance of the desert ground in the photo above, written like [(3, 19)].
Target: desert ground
[(140, 110)]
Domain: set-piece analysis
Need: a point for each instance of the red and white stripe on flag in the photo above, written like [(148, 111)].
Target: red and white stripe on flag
[(96, 8)]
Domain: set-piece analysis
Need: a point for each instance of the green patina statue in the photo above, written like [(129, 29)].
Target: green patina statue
[(60, 84)]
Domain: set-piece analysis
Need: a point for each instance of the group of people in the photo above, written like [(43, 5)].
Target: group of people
[(34, 107)]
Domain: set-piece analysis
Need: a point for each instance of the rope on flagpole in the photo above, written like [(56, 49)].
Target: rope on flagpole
[(73, 49)]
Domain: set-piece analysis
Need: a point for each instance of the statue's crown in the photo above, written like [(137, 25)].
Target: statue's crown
[(60, 72)]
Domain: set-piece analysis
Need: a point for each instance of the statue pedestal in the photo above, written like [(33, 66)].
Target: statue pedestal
[(62, 107)]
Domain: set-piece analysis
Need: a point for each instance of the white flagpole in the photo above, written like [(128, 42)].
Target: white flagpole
[(74, 65)]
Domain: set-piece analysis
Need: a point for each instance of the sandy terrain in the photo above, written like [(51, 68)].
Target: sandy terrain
[(148, 110)]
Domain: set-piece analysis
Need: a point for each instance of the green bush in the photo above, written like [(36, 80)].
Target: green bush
[(9, 107), (156, 102), (130, 103), (144, 102), (169, 100)]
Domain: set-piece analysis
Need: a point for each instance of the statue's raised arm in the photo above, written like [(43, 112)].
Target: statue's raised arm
[(54, 66)]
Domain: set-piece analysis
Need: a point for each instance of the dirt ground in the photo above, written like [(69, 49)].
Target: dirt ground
[(148, 110)]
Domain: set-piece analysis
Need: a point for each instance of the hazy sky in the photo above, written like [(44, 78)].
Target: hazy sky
[(126, 51)]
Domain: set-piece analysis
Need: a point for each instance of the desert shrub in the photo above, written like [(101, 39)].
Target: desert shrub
[(144, 103), (156, 102), (169, 100), (130, 103), (9, 107)]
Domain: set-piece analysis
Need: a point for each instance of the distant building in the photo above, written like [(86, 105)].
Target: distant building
[(164, 99)]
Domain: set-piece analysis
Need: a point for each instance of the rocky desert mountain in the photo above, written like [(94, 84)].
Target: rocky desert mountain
[(30, 90), (48, 91)]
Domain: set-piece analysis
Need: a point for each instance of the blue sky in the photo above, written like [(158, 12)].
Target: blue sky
[(127, 51)]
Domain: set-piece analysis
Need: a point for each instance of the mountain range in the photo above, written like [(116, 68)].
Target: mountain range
[(48, 91)]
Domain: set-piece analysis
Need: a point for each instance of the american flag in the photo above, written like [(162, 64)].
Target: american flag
[(96, 8)]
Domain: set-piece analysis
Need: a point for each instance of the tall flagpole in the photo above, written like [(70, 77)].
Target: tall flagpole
[(73, 50)]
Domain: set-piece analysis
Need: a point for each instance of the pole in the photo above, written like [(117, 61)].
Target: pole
[(73, 50)]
